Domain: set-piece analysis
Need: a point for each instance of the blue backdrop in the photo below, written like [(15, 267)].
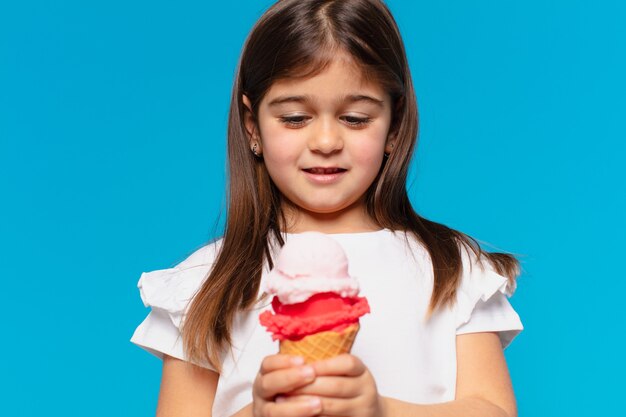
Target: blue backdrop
[(112, 142)]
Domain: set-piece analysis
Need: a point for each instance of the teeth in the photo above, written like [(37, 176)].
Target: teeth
[(324, 171)]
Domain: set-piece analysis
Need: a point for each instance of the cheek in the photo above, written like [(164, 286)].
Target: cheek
[(369, 150), (279, 144)]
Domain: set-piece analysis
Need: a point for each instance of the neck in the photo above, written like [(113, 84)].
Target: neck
[(353, 219)]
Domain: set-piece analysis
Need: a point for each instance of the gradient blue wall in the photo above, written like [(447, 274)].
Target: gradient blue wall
[(112, 142)]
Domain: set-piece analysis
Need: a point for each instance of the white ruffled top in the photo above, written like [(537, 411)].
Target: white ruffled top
[(412, 359)]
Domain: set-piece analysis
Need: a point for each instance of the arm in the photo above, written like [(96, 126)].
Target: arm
[(186, 390), (244, 412), (483, 386)]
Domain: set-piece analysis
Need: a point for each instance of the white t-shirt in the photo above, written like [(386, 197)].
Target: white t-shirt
[(411, 359)]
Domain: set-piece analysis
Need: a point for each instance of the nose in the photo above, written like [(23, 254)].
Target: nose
[(327, 137)]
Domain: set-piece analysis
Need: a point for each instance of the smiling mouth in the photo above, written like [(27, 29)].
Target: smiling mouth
[(324, 171)]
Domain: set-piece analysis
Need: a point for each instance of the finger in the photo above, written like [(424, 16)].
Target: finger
[(274, 362), (331, 406), (294, 398), (341, 407), (283, 380), (345, 364), (331, 386), (303, 407)]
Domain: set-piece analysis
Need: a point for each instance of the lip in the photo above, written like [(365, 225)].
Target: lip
[(317, 175)]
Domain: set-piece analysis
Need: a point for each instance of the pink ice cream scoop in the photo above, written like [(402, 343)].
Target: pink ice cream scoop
[(314, 295)]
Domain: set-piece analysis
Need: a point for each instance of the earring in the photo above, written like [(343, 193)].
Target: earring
[(254, 151), (388, 153)]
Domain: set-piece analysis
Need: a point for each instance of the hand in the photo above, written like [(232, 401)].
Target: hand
[(345, 386), (280, 374)]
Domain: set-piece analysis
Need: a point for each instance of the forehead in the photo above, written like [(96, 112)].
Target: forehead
[(341, 76)]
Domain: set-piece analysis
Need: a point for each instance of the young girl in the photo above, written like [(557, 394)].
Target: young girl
[(323, 123)]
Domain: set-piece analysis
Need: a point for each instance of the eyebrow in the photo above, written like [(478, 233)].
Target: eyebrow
[(350, 98)]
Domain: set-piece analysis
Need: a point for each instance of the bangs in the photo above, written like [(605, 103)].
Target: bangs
[(308, 63), (319, 60)]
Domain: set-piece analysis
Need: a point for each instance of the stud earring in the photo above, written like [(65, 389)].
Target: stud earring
[(254, 149), (387, 153)]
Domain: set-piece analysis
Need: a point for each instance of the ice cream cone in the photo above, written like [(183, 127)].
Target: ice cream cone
[(322, 345), (316, 305)]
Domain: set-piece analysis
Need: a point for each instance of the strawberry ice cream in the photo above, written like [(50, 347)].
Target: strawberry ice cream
[(313, 294)]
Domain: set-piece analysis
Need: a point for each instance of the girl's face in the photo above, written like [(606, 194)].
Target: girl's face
[(322, 140)]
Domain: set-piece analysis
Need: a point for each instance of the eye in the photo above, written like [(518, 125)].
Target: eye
[(357, 121), (293, 121)]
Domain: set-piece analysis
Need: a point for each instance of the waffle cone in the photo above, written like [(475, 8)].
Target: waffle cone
[(322, 345)]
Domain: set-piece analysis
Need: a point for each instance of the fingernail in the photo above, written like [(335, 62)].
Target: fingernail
[(315, 404), (308, 372), (298, 360)]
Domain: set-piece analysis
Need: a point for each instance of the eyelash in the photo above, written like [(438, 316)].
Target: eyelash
[(298, 121)]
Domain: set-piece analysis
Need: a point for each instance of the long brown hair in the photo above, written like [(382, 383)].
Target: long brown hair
[(298, 38)]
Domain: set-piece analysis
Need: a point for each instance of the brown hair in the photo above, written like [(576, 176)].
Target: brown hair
[(297, 38)]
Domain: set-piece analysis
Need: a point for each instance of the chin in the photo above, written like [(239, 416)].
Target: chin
[(326, 209)]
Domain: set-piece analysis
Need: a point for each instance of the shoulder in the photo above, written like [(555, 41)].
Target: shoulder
[(482, 300), (171, 289), (478, 275), (205, 255)]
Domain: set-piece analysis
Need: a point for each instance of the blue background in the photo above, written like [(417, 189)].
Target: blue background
[(112, 142)]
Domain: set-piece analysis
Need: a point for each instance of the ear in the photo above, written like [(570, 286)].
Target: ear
[(251, 125), (391, 143), (392, 135)]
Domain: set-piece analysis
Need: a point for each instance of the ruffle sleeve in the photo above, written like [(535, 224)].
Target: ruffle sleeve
[(168, 293), (482, 302)]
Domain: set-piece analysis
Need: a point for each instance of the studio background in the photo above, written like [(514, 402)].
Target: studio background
[(112, 143)]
